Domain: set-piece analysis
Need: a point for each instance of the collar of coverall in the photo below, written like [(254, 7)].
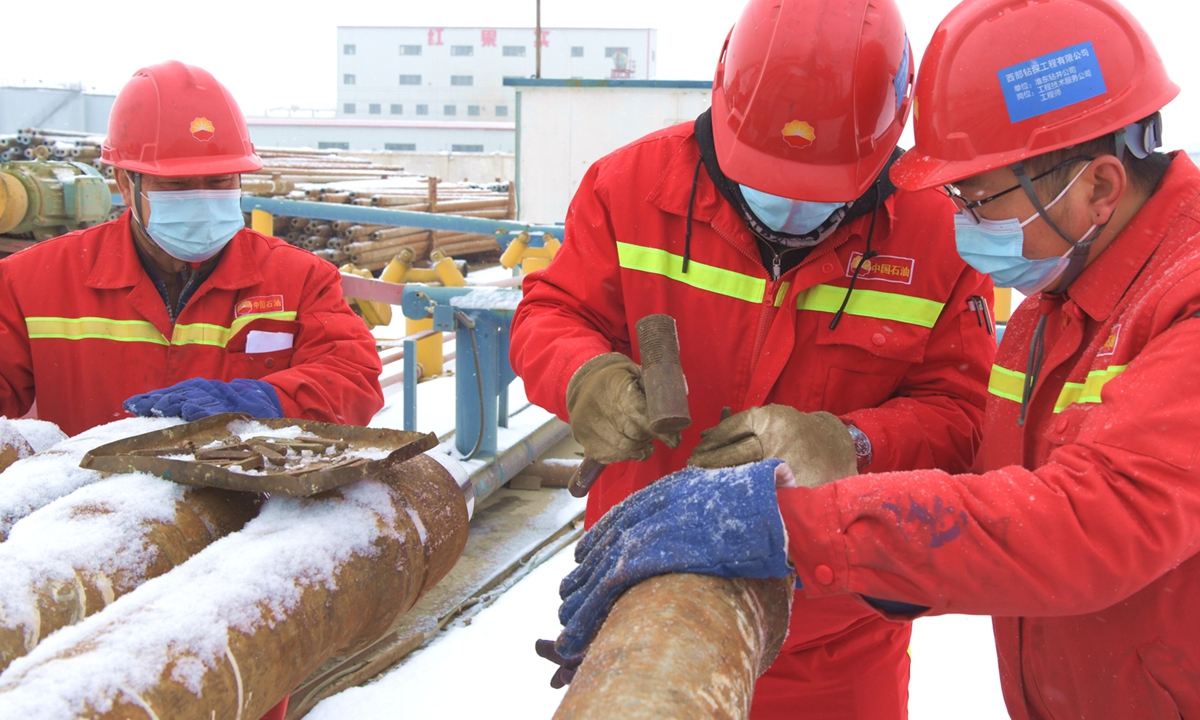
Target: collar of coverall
[(1102, 284)]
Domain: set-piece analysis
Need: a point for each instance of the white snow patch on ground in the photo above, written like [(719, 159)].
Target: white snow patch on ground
[(243, 581), (37, 481), (69, 535), (485, 670)]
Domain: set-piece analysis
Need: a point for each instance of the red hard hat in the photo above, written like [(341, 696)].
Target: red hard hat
[(1004, 80), (176, 120), (811, 96)]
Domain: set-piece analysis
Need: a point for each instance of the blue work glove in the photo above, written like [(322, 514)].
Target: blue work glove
[(722, 522), (198, 398)]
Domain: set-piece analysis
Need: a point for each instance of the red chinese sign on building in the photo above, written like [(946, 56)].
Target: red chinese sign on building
[(488, 38), (435, 36)]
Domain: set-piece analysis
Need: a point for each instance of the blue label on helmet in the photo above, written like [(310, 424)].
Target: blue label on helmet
[(901, 79), (1051, 82)]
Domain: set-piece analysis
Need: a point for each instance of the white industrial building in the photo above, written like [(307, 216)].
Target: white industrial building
[(68, 108)]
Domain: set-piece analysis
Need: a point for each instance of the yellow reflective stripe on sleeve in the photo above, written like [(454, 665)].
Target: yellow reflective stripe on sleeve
[(781, 294), (93, 328), (1087, 391), (218, 336), (700, 276), (872, 303), (1010, 385), (1006, 383)]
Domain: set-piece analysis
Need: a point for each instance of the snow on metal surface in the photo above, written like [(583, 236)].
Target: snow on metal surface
[(488, 299), (37, 481), (293, 543), (40, 435)]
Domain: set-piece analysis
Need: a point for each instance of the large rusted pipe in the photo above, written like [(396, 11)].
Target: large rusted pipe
[(681, 646), (241, 624), (135, 527)]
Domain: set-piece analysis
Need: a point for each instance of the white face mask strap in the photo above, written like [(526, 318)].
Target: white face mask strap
[(1042, 211)]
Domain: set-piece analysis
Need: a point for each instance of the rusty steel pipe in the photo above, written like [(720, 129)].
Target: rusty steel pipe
[(681, 646), (84, 581), (216, 638)]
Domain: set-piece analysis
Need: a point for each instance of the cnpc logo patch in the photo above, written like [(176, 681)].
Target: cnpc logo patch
[(202, 129), (799, 134)]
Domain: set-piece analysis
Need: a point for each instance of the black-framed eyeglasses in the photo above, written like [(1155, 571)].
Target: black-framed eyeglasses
[(968, 206)]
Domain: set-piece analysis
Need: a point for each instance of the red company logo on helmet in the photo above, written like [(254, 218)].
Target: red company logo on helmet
[(202, 129), (799, 134)]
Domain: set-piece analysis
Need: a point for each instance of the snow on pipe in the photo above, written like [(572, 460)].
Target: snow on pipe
[(36, 481), (73, 557), (235, 628), (684, 646)]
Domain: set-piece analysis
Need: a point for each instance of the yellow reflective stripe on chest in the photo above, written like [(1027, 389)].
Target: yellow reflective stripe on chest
[(703, 277), (216, 335), (93, 328), (1010, 385), (873, 304)]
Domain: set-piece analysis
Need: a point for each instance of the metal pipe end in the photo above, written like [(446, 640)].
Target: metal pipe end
[(460, 475)]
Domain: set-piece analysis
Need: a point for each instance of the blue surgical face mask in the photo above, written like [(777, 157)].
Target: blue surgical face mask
[(194, 225), (794, 217), (995, 247)]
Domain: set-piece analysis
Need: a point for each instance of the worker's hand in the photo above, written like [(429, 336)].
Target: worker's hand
[(816, 446), (198, 398), (566, 668), (711, 522), (607, 408)]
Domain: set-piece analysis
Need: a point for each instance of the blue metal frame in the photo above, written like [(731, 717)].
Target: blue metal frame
[(502, 229)]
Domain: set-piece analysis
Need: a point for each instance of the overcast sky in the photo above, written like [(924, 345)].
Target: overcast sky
[(281, 54)]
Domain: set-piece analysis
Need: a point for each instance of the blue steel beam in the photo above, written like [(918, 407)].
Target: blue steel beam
[(397, 218)]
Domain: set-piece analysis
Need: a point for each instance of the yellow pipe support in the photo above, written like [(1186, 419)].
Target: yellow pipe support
[(518, 252), (262, 221), (1003, 304)]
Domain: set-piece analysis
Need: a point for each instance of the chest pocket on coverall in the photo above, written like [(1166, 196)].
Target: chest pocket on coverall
[(255, 365), (866, 359)]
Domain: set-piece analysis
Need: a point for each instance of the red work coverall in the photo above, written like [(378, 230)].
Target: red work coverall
[(83, 327), (1082, 536), (907, 364)]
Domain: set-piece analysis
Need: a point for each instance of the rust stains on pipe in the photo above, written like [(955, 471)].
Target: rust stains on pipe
[(681, 646), (346, 597)]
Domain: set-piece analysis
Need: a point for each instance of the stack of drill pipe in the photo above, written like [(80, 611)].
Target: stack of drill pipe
[(681, 646), (78, 554), (242, 623), (34, 482)]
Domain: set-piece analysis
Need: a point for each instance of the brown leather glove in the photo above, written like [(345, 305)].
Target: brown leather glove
[(607, 407), (817, 446)]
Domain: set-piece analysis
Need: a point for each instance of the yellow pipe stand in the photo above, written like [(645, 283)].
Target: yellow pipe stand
[(518, 252)]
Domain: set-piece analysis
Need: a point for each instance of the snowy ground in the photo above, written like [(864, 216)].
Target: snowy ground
[(488, 668)]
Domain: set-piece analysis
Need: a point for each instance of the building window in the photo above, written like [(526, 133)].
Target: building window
[(466, 148), (449, 110), (374, 108), (397, 109), (514, 51), (347, 79), (348, 49), (401, 147), (610, 51), (410, 49), (462, 80), (333, 146), (410, 79), (462, 50), (576, 51), (473, 110), (348, 108), (501, 111), (422, 109)]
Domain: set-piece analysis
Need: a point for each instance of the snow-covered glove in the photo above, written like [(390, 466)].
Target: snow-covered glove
[(709, 522), (817, 446), (607, 408), (198, 398)]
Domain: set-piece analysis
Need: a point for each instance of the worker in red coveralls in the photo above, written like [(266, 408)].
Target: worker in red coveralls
[(799, 278), (1080, 534), (176, 308)]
